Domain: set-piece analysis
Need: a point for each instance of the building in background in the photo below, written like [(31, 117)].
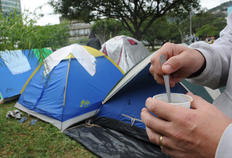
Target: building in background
[(7, 6), (78, 31)]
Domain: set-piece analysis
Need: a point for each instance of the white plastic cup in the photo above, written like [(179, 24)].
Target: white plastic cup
[(177, 99)]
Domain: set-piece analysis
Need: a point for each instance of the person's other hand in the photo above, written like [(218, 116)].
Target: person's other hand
[(181, 62), (187, 133)]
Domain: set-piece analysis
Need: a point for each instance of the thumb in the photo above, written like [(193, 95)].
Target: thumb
[(173, 64), (197, 101)]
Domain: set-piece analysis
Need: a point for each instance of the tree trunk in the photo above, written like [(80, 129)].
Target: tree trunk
[(181, 36), (138, 35)]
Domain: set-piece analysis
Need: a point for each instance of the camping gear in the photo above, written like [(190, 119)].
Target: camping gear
[(33, 122), (67, 90), (117, 130), (70, 86), (14, 114), (22, 120), (15, 68), (125, 51)]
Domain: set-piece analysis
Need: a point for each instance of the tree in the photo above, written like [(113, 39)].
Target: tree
[(208, 24), (207, 31), (180, 24), (203, 18), (158, 33), (136, 16), (53, 36), (20, 32), (107, 28), (162, 31)]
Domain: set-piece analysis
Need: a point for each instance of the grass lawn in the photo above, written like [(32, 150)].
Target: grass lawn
[(39, 140)]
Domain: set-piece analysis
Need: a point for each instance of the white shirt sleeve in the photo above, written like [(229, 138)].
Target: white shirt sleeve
[(224, 149), (218, 58), (216, 74)]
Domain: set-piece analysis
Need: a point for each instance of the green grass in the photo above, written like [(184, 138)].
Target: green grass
[(39, 140)]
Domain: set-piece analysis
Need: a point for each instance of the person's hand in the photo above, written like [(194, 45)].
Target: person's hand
[(186, 133), (182, 62)]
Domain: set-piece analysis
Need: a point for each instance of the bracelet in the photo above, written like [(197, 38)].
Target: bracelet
[(198, 72)]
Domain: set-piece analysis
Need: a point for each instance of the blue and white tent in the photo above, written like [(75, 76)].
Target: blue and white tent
[(125, 101), (119, 123), (118, 129), (70, 86), (15, 68)]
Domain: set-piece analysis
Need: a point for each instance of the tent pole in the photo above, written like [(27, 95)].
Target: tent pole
[(66, 82), (65, 89)]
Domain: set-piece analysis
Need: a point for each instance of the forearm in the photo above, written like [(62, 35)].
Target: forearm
[(212, 73), (218, 59)]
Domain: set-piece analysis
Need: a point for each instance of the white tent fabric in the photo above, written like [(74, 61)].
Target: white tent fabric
[(125, 51), (214, 93), (16, 61), (83, 57)]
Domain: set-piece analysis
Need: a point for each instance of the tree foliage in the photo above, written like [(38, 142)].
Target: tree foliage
[(207, 24), (108, 28), (201, 21), (158, 32), (207, 31), (162, 31), (203, 18), (54, 36), (136, 16), (20, 32), (180, 25)]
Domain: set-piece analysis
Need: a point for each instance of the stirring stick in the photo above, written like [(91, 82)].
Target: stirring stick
[(166, 79)]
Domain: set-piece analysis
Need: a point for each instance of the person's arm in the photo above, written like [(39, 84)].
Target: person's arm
[(218, 58), (225, 144)]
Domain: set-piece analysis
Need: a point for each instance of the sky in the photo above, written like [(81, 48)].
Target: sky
[(211, 3), (42, 7)]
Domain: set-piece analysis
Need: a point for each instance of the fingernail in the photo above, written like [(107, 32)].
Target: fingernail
[(143, 109), (148, 105), (151, 104), (148, 101), (167, 68), (154, 101)]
